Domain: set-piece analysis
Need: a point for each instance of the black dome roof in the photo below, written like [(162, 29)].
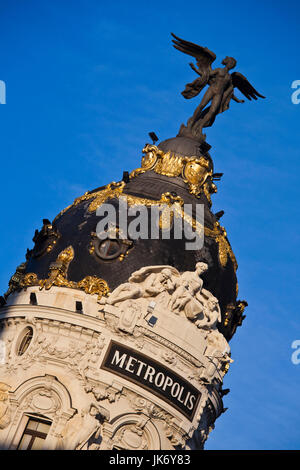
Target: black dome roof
[(76, 227)]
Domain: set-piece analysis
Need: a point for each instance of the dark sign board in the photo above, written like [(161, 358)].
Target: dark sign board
[(136, 367)]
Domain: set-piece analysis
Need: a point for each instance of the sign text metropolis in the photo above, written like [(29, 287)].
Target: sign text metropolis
[(153, 376)]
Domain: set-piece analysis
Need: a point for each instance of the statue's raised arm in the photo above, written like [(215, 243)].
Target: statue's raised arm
[(220, 90)]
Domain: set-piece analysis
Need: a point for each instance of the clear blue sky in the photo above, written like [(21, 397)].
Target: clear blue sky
[(86, 82)]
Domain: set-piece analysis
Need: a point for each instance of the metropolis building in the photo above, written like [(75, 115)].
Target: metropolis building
[(118, 343), (122, 342)]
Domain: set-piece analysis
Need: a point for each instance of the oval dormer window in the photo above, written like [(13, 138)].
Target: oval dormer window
[(25, 340)]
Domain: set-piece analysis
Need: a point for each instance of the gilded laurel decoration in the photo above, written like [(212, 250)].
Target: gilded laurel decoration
[(151, 153), (111, 191), (194, 170), (169, 199), (169, 165), (94, 285), (195, 173), (30, 279), (58, 270), (174, 208), (220, 236), (98, 197), (218, 233), (174, 203), (209, 188), (58, 277)]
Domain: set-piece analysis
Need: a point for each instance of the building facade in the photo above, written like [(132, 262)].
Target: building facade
[(122, 342)]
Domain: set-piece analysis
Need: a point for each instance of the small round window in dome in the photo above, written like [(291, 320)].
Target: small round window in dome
[(109, 249), (25, 340)]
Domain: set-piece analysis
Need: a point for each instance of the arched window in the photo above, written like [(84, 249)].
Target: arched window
[(24, 341)]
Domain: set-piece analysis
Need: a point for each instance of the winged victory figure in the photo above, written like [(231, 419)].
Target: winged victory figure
[(220, 92)]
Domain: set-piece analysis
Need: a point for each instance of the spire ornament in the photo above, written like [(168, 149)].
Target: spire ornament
[(220, 92)]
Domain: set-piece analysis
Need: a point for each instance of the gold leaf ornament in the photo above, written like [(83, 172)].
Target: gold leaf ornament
[(58, 277)]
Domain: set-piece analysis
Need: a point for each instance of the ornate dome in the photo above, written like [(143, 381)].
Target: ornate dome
[(67, 252)]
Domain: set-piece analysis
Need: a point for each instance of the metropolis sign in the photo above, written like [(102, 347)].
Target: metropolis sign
[(152, 376)]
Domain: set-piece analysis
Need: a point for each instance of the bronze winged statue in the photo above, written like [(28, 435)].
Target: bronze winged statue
[(221, 85)]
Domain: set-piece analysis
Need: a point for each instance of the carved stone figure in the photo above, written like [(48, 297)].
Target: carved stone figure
[(123, 292), (82, 427), (156, 283), (5, 414), (185, 297), (216, 341), (211, 310), (221, 85), (182, 294), (148, 281), (155, 279), (193, 279)]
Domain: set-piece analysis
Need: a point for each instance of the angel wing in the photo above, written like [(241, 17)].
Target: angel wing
[(240, 81), (203, 55), (204, 58)]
